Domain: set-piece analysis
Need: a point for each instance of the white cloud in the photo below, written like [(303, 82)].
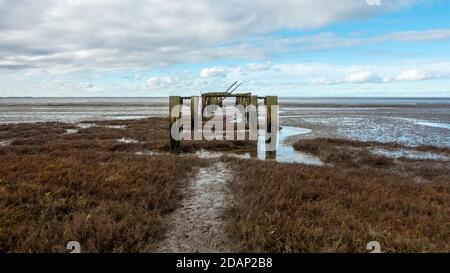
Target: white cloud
[(327, 40), (374, 2), (417, 75), (160, 82), (56, 38), (354, 78), (293, 79), (85, 85), (112, 34), (256, 67), (363, 77), (328, 74), (417, 36), (213, 72)]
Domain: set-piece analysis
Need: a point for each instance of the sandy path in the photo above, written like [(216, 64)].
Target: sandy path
[(197, 226)]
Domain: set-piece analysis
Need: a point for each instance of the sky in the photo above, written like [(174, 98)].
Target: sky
[(290, 48)]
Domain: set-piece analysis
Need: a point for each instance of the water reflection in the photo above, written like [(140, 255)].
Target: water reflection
[(286, 153)]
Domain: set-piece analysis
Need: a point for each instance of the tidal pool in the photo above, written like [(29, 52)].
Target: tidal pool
[(285, 152)]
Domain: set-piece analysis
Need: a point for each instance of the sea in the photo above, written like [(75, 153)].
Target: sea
[(410, 121)]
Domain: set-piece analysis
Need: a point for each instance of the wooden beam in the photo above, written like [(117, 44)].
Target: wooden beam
[(226, 95)]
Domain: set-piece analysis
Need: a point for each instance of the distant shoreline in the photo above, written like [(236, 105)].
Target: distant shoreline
[(348, 102), (281, 97)]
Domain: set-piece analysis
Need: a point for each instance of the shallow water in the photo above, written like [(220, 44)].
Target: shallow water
[(285, 153), (19, 114), (434, 124), (410, 121), (412, 126)]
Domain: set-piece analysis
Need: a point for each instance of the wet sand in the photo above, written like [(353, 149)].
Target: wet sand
[(412, 126)]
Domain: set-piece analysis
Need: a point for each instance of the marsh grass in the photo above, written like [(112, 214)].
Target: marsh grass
[(355, 198), (87, 186)]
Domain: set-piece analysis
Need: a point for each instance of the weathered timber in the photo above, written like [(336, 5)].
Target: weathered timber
[(216, 98), (174, 101), (195, 119), (269, 102)]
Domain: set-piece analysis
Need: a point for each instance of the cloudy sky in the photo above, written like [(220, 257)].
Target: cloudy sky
[(308, 48)]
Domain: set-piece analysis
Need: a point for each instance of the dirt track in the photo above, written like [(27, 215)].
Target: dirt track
[(197, 226)]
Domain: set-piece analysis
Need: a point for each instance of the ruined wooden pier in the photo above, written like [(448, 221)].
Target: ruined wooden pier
[(215, 99)]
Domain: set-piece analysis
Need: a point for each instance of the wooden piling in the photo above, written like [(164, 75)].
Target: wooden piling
[(254, 103), (271, 151), (203, 106), (197, 119), (194, 117), (175, 145), (269, 101), (247, 102)]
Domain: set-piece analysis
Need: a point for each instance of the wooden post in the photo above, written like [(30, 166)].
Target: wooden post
[(194, 117), (247, 102), (254, 103), (175, 145), (208, 102), (217, 101), (203, 105), (270, 100), (238, 101)]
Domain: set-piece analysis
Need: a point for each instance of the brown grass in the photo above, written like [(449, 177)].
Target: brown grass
[(324, 147), (354, 199), (57, 187), (357, 154)]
